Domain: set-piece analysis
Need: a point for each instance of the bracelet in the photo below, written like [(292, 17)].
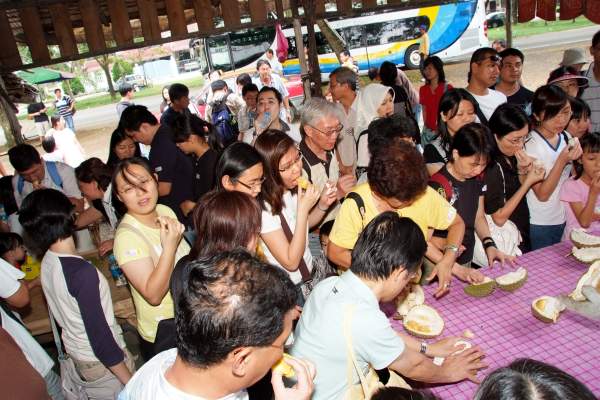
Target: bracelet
[(489, 243), (325, 210), (423, 349), (487, 239), (451, 247)]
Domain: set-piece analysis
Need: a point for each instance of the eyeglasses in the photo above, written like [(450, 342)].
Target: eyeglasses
[(521, 140), (335, 131), (291, 164), (254, 185)]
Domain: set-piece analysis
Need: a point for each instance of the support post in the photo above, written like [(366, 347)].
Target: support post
[(304, 72), (8, 118), (508, 23)]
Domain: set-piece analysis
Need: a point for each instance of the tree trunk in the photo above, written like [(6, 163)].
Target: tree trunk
[(104, 62), (8, 119), (508, 24), (313, 57), (304, 70), (333, 38), (515, 9)]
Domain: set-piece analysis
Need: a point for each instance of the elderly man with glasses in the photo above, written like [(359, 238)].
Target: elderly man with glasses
[(321, 128)]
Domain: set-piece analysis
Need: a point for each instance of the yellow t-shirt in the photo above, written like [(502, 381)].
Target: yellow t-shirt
[(128, 246), (429, 211)]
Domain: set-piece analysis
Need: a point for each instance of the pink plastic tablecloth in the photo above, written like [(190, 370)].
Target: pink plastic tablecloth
[(506, 330)]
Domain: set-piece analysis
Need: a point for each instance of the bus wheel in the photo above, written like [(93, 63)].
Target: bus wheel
[(412, 58)]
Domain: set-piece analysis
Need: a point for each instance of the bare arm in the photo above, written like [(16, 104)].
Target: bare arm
[(339, 256), (20, 298), (121, 371), (87, 217), (164, 188)]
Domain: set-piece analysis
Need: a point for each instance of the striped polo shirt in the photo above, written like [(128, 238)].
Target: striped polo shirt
[(63, 105), (591, 95)]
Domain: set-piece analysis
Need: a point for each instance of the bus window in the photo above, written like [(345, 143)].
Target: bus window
[(395, 31), (352, 36), (250, 44), (322, 45), (219, 53)]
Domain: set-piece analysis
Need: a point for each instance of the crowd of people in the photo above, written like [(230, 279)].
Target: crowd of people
[(242, 235)]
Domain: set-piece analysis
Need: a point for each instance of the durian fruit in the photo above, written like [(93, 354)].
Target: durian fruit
[(482, 289), (547, 309), (424, 322), (302, 182), (467, 345), (590, 278), (581, 239), (412, 295), (586, 254), (513, 280), (284, 368)]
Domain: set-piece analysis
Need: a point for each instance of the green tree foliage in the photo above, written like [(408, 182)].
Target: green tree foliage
[(121, 68), (76, 86)]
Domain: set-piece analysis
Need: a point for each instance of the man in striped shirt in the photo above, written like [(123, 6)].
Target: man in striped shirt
[(591, 95), (65, 106)]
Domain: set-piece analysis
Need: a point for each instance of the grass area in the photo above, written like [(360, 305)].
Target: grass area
[(104, 99), (537, 27)]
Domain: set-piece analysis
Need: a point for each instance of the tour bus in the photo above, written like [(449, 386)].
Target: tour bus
[(455, 28)]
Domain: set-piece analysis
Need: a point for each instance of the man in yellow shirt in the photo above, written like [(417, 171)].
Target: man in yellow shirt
[(398, 182), (423, 44)]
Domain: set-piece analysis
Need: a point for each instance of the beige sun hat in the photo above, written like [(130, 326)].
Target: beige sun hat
[(573, 57)]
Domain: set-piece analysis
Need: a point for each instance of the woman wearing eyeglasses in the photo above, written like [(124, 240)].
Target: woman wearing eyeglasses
[(510, 174), (240, 169), (268, 106), (288, 210), (374, 101)]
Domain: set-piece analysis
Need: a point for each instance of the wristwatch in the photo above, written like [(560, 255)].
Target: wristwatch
[(423, 349)]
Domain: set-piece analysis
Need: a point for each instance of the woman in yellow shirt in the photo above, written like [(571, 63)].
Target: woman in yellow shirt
[(147, 245)]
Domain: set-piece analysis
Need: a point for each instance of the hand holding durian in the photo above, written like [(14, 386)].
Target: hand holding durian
[(589, 308)]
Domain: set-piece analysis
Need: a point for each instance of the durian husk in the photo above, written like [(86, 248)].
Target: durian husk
[(591, 278), (412, 295), (515, 285), (481, 289), (537, 309), (582, 239), (417, 327), (587, 255)]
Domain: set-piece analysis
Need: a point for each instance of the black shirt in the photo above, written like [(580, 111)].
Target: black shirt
[(496, 195), (434, 153), (35, 107), (204, 173), (522, 98), (168, 117), (464, 196), (173, 166)]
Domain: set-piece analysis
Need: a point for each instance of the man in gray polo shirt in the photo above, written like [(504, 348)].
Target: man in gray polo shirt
[(385, 258)]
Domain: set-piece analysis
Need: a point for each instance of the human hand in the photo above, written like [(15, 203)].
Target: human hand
[(303, 389), (536, 173), (571, 153), (171, 231), (465, 274), (589, 308), (524, 161), (595, 185), (328, 196), (307, 198), (105, 247), (493, 254), (345, 184), (463, 365), (443, 270), (445, 347)]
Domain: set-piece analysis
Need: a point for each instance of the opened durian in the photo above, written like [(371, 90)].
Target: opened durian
[(513, 280), (546, 309), (412, 295), (482, 289), (590, 278), (283, 367), (303, 182), (581, 239), (586, 254), (424, 322)]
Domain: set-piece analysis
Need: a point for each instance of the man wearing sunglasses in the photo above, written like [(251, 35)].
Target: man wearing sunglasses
[(483, 73)]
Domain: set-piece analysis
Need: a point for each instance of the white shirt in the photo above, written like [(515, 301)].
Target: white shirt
[(149, 382), (489, 102), (591, 95), (35, 354), (271, 223), (67, 175), (347, 140), (69, 146), (550, 212)]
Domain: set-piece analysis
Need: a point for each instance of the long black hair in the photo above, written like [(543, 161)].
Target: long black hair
[(236, 158), (116, 138)]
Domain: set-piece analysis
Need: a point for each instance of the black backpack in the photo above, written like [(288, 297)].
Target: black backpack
[(225, 122)]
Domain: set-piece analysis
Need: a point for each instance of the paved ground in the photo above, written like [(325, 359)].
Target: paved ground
[(94, 126)]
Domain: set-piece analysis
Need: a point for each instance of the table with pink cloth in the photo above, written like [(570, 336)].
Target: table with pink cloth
[(506, 330)]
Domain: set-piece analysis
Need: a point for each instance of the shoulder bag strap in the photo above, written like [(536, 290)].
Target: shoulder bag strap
[(347, 328), (503, 181), (57, 341), (136, 231), (288, 234)]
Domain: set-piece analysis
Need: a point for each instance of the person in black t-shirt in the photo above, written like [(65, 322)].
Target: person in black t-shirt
[(37, 112), (511, 69), (510, 174), (196, 138), (460, 182), (174, 169)]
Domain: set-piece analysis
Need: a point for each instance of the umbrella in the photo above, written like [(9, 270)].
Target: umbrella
[(38, 76)]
